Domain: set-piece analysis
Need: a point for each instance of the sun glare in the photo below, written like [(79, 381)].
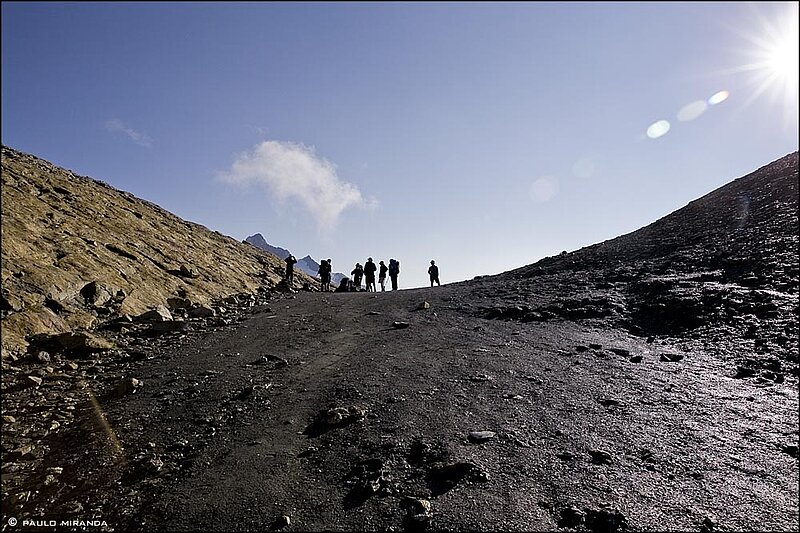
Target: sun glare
[(783, 58), (773, 57)]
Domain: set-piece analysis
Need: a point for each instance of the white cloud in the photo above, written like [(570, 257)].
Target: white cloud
[(115, 125), (293, 171)]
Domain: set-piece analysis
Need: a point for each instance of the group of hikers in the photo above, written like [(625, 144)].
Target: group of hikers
[(366, 272)]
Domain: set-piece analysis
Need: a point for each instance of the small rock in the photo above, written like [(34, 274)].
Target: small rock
[(606, 520), (33, 381), (128, 386), (416, 506), (620, 351), (566, 456), (671, 357), (608, 402), (201, 311), (245, 393), (159, 314), (790, 449), (400, 325), (423, 305), (708, 525), (600, 457), (179, 303), (73, 508), (154, 465), (636, 359), (451, 474), (480, 436), (8, 419), (281, 522), (571, 517)]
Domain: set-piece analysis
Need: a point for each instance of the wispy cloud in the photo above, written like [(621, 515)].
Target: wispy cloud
[(117, 126), (294, 171)]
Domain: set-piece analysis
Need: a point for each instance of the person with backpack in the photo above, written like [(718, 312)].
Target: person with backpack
[(357, 273), (325, 275), (290, 262), (382, 276), (433, 272), (394, 271), (369, 274)]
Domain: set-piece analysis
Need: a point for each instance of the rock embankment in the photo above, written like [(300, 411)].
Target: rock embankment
[(77, 252)]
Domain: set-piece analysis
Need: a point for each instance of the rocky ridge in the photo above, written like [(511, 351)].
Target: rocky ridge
[(77, 252), (723, 267)]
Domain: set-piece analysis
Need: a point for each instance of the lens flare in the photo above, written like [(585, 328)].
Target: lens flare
[(658, 129), (692, 111), (718, 97), (543, 189), (583, 167)]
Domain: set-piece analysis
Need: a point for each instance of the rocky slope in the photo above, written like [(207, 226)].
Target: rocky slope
[(76, 251), (724, 266)]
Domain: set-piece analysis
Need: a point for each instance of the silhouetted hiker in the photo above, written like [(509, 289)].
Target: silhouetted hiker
[(358, 273), (382, 276), (394, 271), (325, 275), (433, 272), (369, 274), (330, 273), (290, 261)]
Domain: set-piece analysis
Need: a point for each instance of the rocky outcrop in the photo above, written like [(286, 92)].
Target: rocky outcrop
[(76, 251)]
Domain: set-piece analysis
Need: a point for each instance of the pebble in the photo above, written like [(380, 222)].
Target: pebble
[(480, 436), (601, 457)]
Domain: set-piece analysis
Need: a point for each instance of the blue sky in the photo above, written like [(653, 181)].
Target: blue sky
[(482, 135)]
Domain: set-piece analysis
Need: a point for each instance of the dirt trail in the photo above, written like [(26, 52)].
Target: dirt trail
[(582, 436)]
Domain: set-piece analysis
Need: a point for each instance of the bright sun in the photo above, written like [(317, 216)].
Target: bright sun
[(783, 58), (773, 57)]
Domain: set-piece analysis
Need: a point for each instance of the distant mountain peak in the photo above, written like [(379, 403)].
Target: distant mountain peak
[(259, 241), (307, 264)]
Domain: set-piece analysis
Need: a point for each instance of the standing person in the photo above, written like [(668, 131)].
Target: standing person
[(394, 271), (382, 276), (358, 273), (433, 272), (290, 261), (325, 275), (369, 274)]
